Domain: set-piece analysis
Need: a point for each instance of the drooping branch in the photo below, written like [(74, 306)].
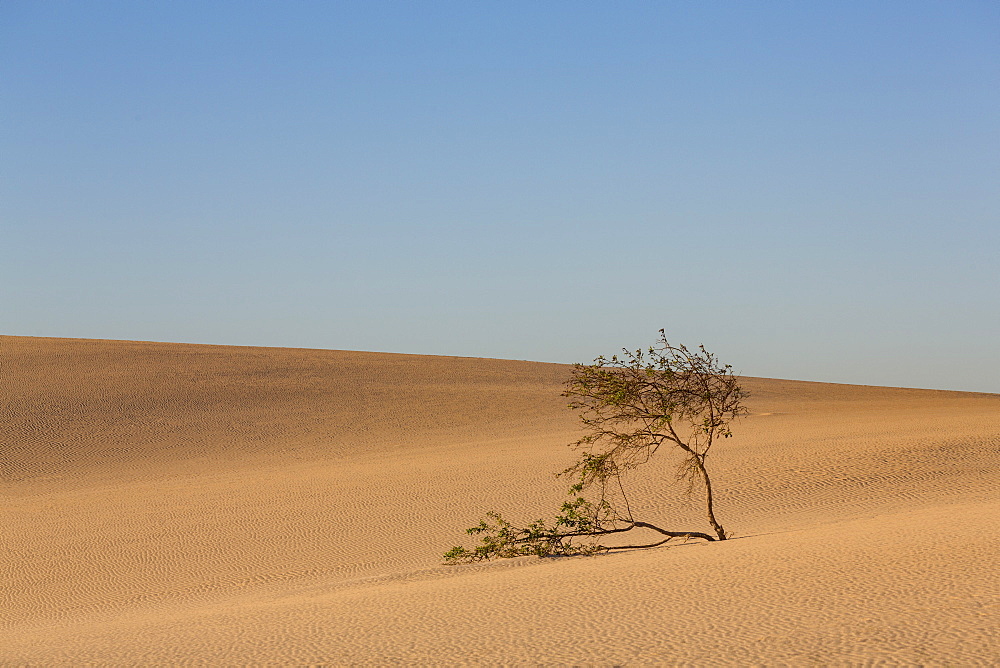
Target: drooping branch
[(626, 529), (674, 534)]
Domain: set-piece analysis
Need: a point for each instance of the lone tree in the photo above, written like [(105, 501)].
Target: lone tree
[(630, 406)]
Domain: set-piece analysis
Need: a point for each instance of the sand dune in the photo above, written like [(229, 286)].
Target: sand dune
[(168, 503)]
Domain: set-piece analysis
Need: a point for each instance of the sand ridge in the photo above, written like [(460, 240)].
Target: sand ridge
[(164, 503)]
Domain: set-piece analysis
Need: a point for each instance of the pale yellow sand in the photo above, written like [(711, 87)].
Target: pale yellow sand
[(164, 503)]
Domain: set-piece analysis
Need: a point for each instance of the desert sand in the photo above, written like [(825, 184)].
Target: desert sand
[(190, 504)]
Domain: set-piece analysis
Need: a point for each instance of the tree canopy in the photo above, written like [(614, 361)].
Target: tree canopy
[(630, 406)]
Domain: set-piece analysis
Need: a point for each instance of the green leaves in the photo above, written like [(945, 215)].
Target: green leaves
[(501, 540)]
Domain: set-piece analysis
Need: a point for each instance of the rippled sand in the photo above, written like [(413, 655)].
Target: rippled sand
[(168, 503)]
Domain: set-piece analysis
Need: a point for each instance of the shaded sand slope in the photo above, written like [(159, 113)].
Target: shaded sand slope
[(82, 407), (164, 502)]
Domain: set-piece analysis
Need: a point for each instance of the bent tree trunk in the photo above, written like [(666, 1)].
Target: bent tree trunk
[(700, 461)]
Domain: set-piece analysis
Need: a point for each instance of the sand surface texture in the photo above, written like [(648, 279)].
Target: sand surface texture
[(170, 504)]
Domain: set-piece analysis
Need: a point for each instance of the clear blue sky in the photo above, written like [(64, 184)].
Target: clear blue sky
[(812, 190)]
